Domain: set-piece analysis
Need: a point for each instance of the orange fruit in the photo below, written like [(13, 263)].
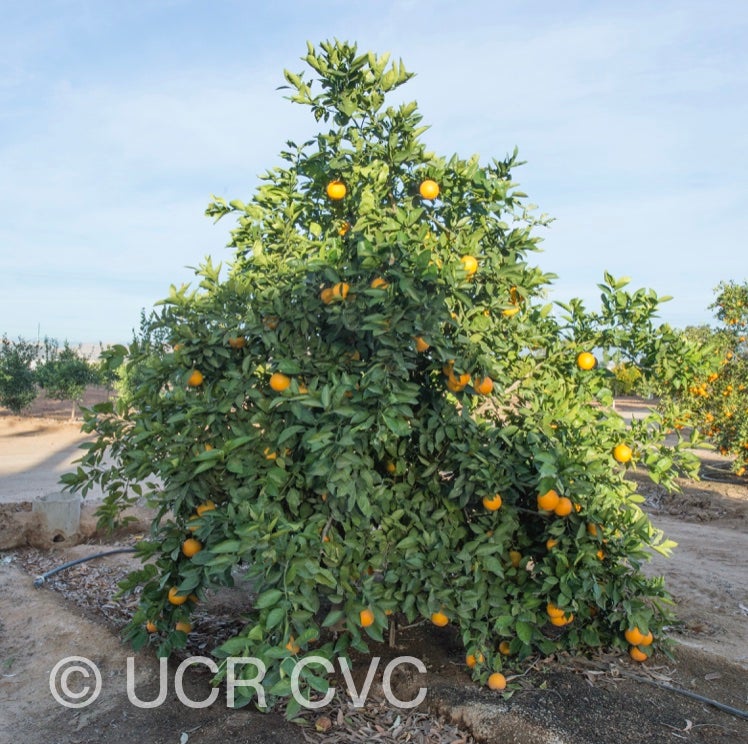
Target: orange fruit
[(279, 382), (505, 648), (429, 189), (454, 386), (492, 503), (469, 265), (634, 636), (192, 527), (637, 654), (292, 646), (515, 557), (191, 547), (563, 508), (336, 190), (340, 290), (238, 342), (195, 379), (510, 311), (174, 598), (600, 554), (622, 453), (379, 283), (497, 681), (592, 530), (552, 611), (421, 345), (150, 626), (586, 361), (484, 386), (205, 507), (548, 501), (472, 659), (439, 619), (391, 467), (269, 454), (550, 543), (366, 618), (646, 640), (184, 626), (560, 621), (344, 228), (326, 295)]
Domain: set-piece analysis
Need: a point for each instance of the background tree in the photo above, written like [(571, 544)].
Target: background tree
[(719, 396), (64, 374), (375, 416), (17, 380)]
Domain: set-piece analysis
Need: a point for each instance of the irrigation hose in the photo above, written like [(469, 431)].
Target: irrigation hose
[(41, 579), (715, 703)]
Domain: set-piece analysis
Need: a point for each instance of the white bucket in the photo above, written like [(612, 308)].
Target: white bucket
[(60, 514)]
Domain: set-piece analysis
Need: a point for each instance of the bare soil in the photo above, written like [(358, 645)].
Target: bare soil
[(561, 699)]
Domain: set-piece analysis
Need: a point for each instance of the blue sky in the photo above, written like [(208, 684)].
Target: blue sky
[(119, 120)]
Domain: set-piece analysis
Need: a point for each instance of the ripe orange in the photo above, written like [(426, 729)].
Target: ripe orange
[(326, 295), (550, 543), (192, 527), (366, 618), (472, 659), (269, 454), (344, 228), (505, 648), (439, 619), (340, 290), (635, 637), (174, 598), (191, 547), (592, 530), (469, 265), (238, 342), (195, 379), (497, 681), (279, 382), (292, 646), (586, 361), (484, 386), (150, 626), (492, 503), (646, 640), (421, 345), (429, 189), (549, 500), (600, 554), (336, 190), (553, 611), (391, 467), (184, 626), (515, 557), (637, 654), (510, 311), (207, 506), (379, 283), (562, 620), (622, 453), (564, 507), (454, 386)]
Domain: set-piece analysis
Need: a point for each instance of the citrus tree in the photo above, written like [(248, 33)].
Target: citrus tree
[(17, 380), (64, 373), (374, 416), (719, 396)]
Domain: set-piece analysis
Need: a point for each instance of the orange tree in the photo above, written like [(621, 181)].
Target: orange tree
[(719, 397), (374, 416)]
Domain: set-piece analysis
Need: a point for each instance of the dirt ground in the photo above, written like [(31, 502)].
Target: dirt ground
[(563, 699)]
